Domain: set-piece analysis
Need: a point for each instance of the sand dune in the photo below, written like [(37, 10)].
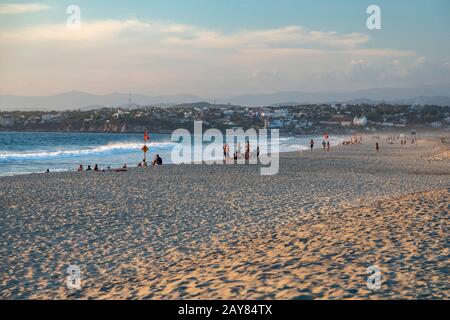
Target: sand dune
[(196, 232)]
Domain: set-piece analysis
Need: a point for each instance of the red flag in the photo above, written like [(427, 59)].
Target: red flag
[(146, 136)]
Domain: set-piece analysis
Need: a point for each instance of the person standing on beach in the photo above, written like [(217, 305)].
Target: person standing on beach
[(328, 145), (224, 152), (377, 146), (257, 152), (324, 145), (312, 144), (247, 150)]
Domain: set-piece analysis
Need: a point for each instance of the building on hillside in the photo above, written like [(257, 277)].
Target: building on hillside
[(275, 124), (360, 121), (436, 124), (6, 121)]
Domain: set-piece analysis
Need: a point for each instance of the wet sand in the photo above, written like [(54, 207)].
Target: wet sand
[(225, 232)]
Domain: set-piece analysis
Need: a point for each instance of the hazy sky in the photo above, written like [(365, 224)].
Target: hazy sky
[(221, 48)]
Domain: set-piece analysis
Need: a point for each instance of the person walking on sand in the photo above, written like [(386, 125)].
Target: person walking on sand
[(257, 152), (324, 145), (312, 144), (224, 152)]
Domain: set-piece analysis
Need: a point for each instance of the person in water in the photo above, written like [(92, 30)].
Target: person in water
[(96, 168), (89, 168), (80, 168), (312, 144)]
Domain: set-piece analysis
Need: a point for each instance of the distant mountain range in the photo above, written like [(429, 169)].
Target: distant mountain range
[(437, 95), (86, 101)]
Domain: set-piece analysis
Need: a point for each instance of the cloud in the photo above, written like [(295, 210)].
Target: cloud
[(16, 8), (161, 57), (180, 35)]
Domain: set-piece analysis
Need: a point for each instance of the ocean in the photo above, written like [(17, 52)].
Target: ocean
[(35, 152)]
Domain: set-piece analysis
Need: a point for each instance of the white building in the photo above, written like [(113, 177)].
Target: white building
[(6, 121), (346, 123), (360, 121), (436, 124), (275, 124), (48, 117)]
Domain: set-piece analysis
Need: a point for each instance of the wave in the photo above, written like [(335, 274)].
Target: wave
[(113, 148), (285, 144)]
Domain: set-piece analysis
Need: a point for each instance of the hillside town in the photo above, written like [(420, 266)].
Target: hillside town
[(298, 119)]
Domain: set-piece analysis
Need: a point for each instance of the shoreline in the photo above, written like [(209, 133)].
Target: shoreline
[(65, 170), (225, 232)]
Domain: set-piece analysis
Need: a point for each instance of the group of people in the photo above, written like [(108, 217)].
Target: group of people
[(238, 153), (326, 145), (97, 169), (157, 161)]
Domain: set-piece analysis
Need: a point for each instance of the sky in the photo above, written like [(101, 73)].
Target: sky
[(217, 48)]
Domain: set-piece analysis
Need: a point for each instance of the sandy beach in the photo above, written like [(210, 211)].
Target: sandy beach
[(226, 232)]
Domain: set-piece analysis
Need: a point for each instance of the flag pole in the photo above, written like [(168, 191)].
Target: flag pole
[(145, 149)]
